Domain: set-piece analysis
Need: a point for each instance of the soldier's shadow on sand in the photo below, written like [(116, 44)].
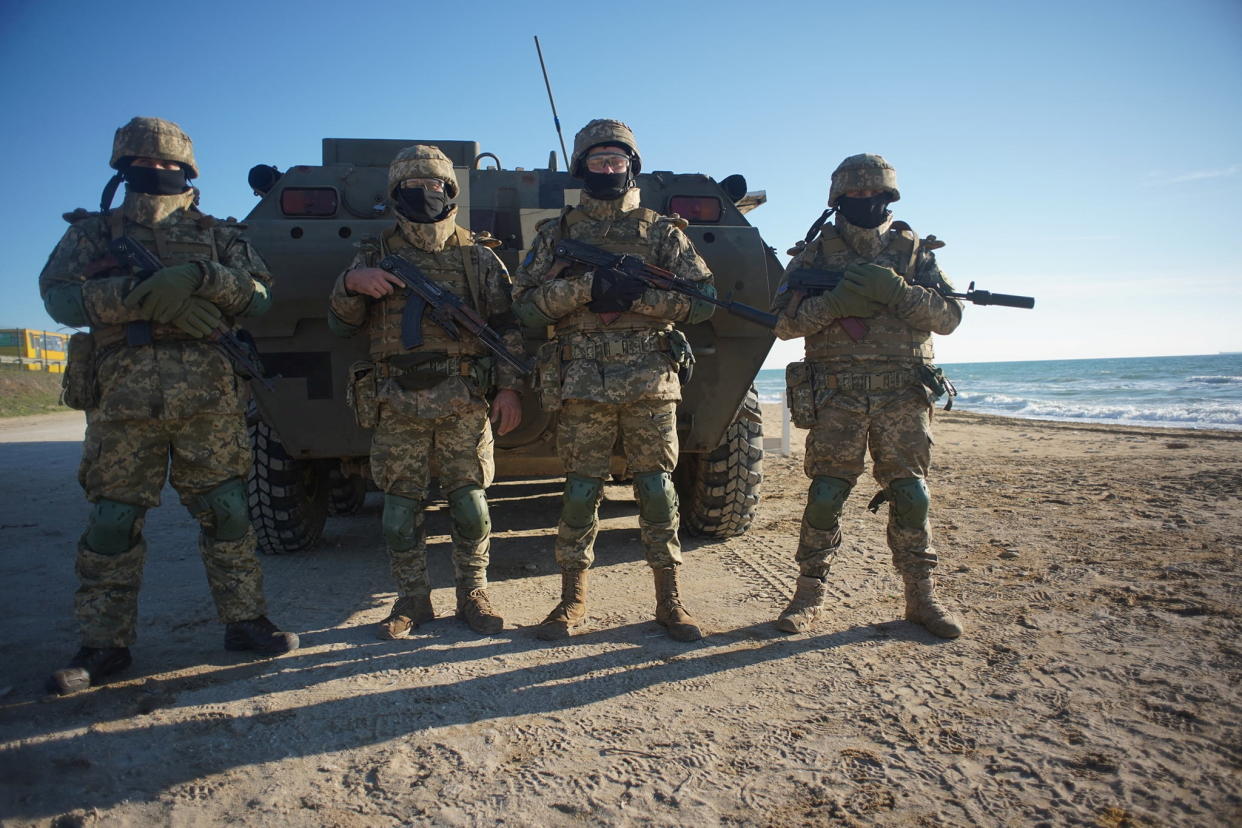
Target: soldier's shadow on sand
[(646, 659)]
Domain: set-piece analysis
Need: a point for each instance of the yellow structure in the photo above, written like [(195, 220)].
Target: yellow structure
[(33, 350)]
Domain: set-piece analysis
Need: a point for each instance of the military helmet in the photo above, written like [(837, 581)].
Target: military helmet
[(863, 172), (153, 138), (603, 131), (421, 161)]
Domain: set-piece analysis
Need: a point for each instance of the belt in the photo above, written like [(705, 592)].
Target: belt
[(446, 366), (888, 381), (615, 348)]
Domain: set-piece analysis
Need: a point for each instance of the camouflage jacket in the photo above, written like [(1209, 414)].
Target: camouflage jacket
[(898, 337), (455, 260), (629, 358), (178, 376)]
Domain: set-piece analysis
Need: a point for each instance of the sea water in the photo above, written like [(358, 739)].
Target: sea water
[(1179, 391)]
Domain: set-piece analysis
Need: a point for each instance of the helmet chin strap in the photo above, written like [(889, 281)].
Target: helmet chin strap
[(109, 192)]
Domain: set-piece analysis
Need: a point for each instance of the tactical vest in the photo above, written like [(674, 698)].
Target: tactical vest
[(888, 337), (454, 268), (188, 239), (629, 233)]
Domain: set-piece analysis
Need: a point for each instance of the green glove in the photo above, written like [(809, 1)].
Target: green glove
[(879, 283), (197, 317), (162, 294), (840, 302)]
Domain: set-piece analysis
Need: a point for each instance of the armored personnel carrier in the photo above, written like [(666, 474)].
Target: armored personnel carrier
[(311, 458)]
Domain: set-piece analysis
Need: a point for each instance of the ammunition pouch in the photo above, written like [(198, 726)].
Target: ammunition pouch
[(800, 393), (548, 375), (934, 380), (362, 394), (423, 370), (78, 388)]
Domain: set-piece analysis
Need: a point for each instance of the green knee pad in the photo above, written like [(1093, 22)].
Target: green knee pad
[(110, 528), (468, 507), (400, 522), (910, 502), (222, 511), (657, 499), (529, 314), (581, 498), (65, 304), (825, 500)]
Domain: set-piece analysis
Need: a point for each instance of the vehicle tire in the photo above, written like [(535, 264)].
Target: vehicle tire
[(288, 498), (720, 490), (345, 494)]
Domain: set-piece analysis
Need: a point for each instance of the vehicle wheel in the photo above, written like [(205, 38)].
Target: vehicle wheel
[(720, 490), (288, 497), (346, 494)]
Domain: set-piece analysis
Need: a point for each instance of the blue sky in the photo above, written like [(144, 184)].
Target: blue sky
[(1086, 153)]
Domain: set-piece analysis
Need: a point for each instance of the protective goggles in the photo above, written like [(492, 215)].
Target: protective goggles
[(608, 161)]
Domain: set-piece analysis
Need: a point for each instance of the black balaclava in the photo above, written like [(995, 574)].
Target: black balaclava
[(606, 186), (421, 205), (150, 181), (867, 213)]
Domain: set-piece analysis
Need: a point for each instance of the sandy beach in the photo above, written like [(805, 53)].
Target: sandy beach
[(1096, 569)]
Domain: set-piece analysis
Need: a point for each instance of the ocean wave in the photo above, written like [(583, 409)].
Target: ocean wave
[(1192, 416), (1214, 380)]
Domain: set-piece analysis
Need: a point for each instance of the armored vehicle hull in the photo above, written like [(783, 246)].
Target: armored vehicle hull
[(310, 456)]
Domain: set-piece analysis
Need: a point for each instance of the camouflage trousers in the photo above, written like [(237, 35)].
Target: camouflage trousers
[(585, 434), (405, 450), (127, 461), (896, 428)]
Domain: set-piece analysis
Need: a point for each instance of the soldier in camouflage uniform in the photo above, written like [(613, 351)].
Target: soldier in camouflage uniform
[(866, 383), (612, 368), (175, 399), (428, 404)]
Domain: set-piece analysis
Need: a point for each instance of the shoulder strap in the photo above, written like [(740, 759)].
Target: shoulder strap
[(469, 260), (907, 246)]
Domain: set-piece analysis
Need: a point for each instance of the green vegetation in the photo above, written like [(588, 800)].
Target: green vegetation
[(25, 392)]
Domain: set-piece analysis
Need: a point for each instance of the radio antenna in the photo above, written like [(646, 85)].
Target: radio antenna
[(555, 119)]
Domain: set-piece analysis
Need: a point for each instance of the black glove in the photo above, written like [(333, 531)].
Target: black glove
[(613, 292)]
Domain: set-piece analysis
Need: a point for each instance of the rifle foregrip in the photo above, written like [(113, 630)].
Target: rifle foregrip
[(759, 317)]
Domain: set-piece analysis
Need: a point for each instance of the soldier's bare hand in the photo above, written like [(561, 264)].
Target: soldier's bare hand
[(371, 281), (506, 411)]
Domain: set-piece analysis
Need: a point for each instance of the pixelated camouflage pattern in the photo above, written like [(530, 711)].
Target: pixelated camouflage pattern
[(438, 250), (863, 172), (619, 226), (127, 460), (153, 138), (404, 450), (603, 131), (893, 423), (901, 336), (171, 409), (106, 601), (420, 161), (230, 265), (585, 435)]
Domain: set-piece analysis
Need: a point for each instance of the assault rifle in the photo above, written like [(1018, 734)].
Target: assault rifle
[(812, 282), (652, 276), (447, 310), (131, 253)]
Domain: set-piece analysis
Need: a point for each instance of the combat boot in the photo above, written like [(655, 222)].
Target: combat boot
[(670, 613), (260, 635), (475, 608), (923, 608), (406, 614), (804, 607), (87, 667), (570, 613)]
